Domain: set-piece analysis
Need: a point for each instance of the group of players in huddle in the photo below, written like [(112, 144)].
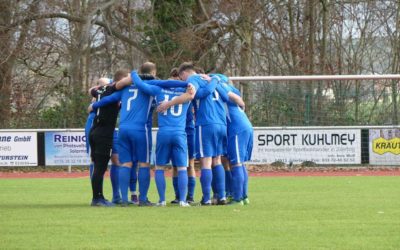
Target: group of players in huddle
[(199, 117)]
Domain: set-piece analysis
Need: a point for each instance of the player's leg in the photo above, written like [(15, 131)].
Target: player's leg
[(228, 177), (101, 146), (191, 181), (114, 177), (219, 176), (89, 147), (190, 170), (159, 177), (133, 183), (183, 186), (163, 154), (175, 185), (238, 150), (114, 173), (125, 158), (237, 183), (219, 147), (100, 167), (88, 127), (237, 171), (142, 153), (245, 189), (247, 157), (180, 159), (203, 153)]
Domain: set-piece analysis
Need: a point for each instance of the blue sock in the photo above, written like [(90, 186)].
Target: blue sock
[(160, 183), (191, 186), (133, 179), (124, 175), (175, 184), (228, 182), (144, 182), (182, 184), (205, 180), (245, 182), (91, 167), (220, 180), (214, 184), (114, 176), (238, 183)]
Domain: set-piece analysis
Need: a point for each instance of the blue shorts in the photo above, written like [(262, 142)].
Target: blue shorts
[(191, 141), (88, 126), (133, 145), (240, 147), (210, 140), (172, 146), (115, 143)]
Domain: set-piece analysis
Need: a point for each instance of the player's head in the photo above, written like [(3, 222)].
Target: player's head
[(223, 78), (185, 70), (199, 70), (119, 74), (174, 74), (148, 68), (103, 81)]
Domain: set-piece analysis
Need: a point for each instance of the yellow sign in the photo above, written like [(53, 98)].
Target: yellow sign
[(382, 146)]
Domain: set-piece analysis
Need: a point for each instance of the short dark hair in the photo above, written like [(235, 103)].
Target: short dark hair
[(147, 68), (174, 72), (119, 74), (186, 66), (199, 70)]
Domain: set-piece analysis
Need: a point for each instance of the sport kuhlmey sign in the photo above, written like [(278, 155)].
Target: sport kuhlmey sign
[(18, 149), (331, 146), (384, 146), (66, 149)]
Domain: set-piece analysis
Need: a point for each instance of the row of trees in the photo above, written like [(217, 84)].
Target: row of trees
[(52, 51)]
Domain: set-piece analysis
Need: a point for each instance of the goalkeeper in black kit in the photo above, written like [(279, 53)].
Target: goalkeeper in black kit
[(101, 138)]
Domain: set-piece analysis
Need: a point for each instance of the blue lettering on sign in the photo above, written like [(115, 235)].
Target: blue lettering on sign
[(5, 138), (69, 138)]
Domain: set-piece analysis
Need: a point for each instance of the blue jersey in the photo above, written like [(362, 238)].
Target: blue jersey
[(135, 107), (174, 118), (208, 106), (135, 104), (237, 118)]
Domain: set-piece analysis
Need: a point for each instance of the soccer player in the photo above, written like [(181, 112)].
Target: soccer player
[(171, 138), (114, 157), (101, 139), (210, 131), (89, 120), (190, 133), (148, 71), (240, 139), (133, 134)]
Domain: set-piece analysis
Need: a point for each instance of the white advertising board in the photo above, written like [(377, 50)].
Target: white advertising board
[(66, 149), (384, 146), (18, 149), (331, 146)]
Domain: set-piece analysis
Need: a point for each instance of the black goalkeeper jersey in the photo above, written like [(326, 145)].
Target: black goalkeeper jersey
[(105, 116)]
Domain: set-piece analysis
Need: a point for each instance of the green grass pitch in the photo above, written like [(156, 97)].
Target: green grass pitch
[(285, 213)]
